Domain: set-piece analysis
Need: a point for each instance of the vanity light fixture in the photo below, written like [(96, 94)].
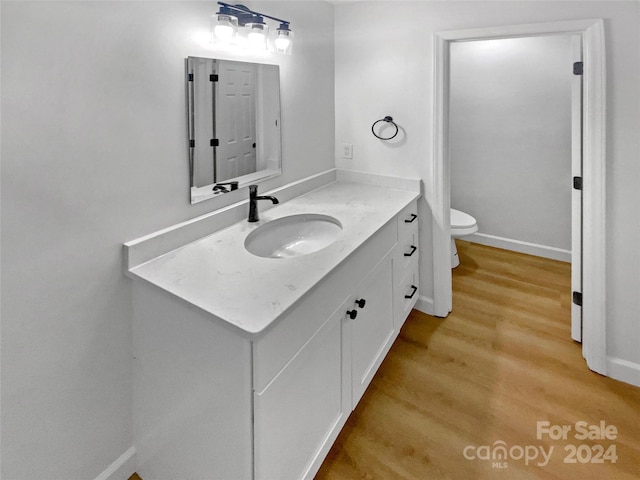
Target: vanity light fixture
[(237, 24)]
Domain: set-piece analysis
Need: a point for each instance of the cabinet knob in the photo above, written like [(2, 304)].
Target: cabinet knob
[(352, 314), (361, 303), (412, 218)]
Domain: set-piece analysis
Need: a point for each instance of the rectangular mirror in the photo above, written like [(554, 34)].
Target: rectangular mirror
[(234, 125)]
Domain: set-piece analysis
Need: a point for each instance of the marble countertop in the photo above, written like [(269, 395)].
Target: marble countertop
[(218, 275)]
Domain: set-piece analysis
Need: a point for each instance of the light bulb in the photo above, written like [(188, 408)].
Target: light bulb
[(223, 32), (223, 27), (257, 38), (283, 40)]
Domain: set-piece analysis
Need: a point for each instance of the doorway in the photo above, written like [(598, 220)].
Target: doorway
[(592, 257)]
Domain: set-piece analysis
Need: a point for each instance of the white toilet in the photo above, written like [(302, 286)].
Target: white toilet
[(462, 224)]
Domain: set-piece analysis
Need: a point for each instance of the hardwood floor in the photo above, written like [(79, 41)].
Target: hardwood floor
[(501, 362)]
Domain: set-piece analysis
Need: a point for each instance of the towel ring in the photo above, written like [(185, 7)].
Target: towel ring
[(387, 119)]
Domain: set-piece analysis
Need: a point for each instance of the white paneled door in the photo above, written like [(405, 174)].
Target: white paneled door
[(236, 134)]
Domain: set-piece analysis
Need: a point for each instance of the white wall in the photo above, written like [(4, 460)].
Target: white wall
[(510, 137), (384, 66), (94, 155)]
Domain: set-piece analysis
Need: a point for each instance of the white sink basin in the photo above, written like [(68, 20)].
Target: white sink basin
[(293, 236)]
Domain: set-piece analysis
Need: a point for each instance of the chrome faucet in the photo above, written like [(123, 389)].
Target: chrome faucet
[(253, 202)]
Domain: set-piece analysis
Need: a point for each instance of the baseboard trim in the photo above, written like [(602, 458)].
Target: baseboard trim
[(122, 468), (425, 305), (623, 370), (520, 246)]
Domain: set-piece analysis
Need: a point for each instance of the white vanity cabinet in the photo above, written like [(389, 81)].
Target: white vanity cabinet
[(299, 411), (211, 401)]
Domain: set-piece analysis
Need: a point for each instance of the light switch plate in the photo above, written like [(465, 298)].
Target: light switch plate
[(347, 150)]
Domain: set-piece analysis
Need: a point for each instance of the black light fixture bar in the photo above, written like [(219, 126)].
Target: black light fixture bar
[(246, 15)]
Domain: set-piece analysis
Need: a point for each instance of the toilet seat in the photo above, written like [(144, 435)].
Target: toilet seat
[(462, 223)]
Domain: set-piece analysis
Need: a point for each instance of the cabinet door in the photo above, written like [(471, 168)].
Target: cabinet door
[(372, 328), (299, 414)]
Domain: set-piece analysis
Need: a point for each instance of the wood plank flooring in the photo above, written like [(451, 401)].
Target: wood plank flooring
[(502, 361)]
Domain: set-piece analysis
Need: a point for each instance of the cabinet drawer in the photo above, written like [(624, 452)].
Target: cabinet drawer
[(405, 296), (272, 351), (408, 219), (406, 257)]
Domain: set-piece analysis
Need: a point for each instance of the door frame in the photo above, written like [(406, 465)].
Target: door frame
[(594, 181)]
